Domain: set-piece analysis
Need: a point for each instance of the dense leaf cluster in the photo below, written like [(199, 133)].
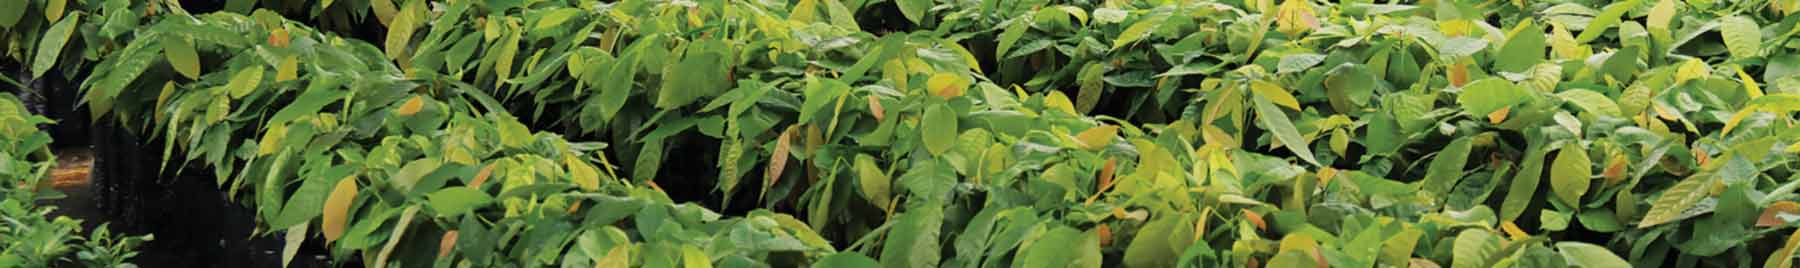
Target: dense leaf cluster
[(921, 133)]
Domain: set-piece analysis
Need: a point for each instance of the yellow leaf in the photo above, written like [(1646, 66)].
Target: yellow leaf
[(947, 85), (411, 106), (583, 174), (618, 257), (1275, 94), (1098, 137), (1784, 257), (288, 70), (162, 99), (1690, 70), (271, 140), (336, 206), (1733, 122), (1056, 100), (1499, 115), (384, 10), (53, 10), (1750, 87), (1513, 231), (804, 11), (692, 257)]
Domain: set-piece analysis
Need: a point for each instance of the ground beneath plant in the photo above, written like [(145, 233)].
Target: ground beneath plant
[(72, 177)]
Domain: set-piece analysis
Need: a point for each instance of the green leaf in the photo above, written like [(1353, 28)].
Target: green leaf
[(1743, 38), (181, 55), (555, 18), (1592, 102), (1462, 46), (1063, 247), (938, 129), (50, 48), (846, 260), (1298, 62), (1446, 168), (1011, 36), (1586, 255), (1473, 248), (913, 240), (412, 172), (1672, 202), (1600, 220), (914, 10), (11, 12), (1487, 95), (1525, 182), (1608, 17), (876, 186), (1524, 49), (702, 72), (1277, 122), (1571, 174), (454, 201), (513, 134), (1138, 30), (1091, 87), (295, 236), (1150, 248), (245, 81)]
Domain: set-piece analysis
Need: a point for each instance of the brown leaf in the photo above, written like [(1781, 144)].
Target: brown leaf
[(1770, 215), (1615, 169), (1105, 234), (447, 243), (778, 160), (876, 109), (1106, 174)]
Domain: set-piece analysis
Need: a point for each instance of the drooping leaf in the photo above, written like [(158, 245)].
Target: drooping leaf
[(1277, 122), (336, 206), (1676, 199), (49, 49)]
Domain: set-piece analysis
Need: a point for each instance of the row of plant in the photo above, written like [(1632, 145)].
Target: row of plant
[(1235, 133), (29, 237)]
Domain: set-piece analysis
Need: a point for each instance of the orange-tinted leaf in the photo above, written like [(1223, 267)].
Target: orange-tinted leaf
[(482, 176), (1771, 215), (778, 160), (411, 106), (447, 243), (1499, 115), (1255, 218), (278, 37), (336, 206)]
